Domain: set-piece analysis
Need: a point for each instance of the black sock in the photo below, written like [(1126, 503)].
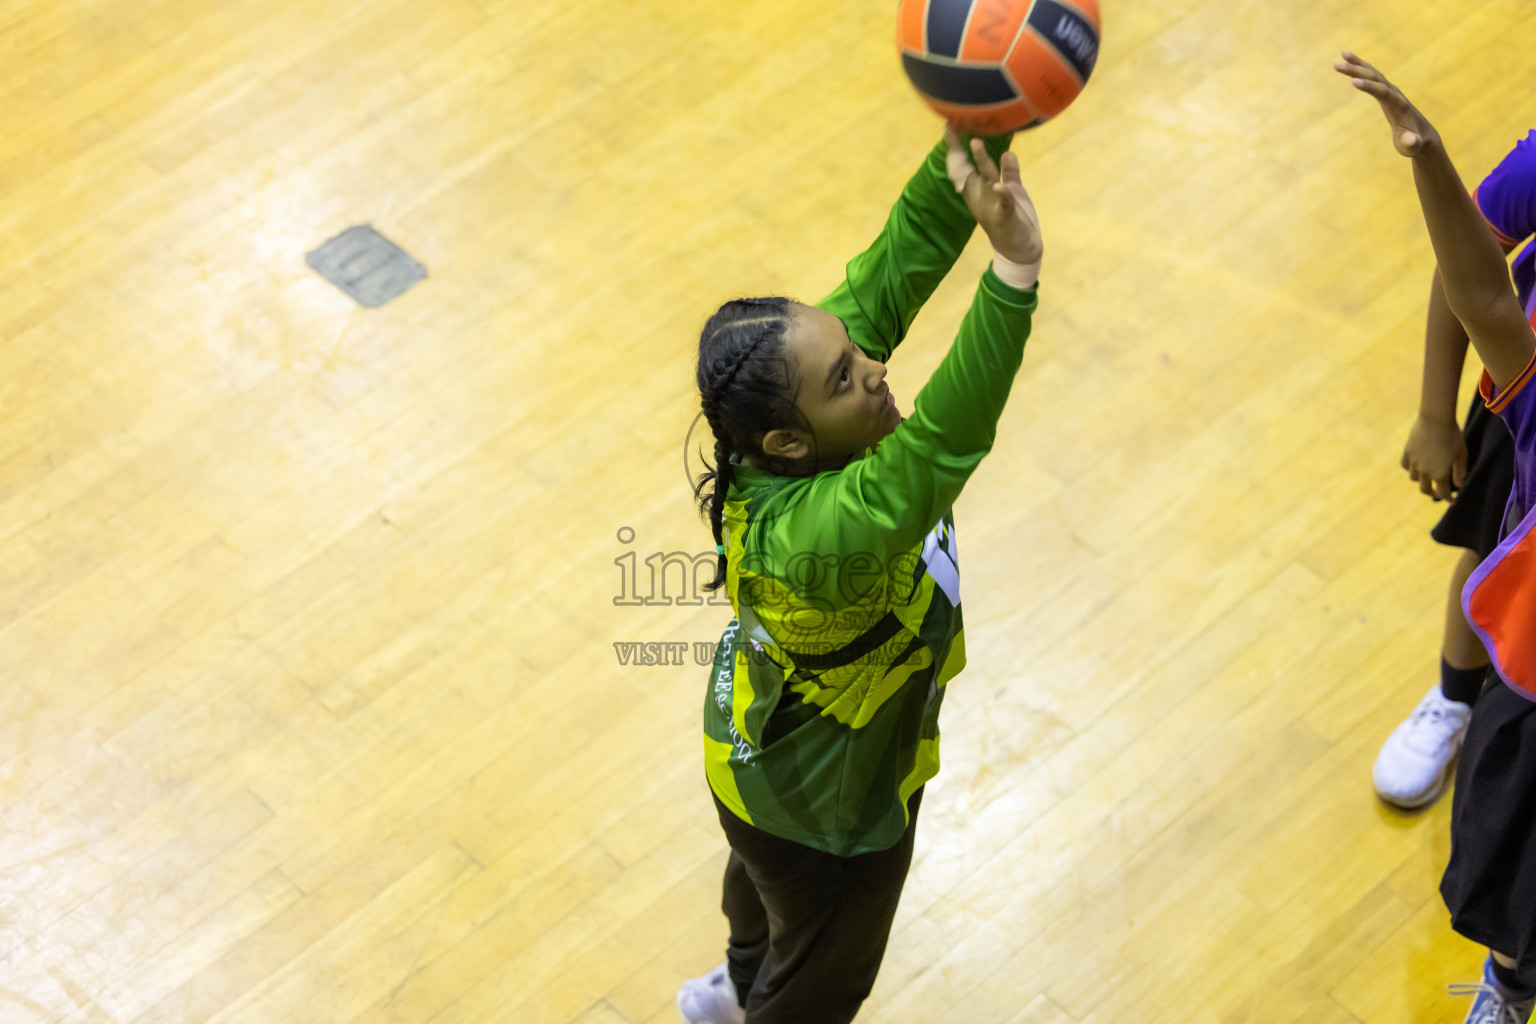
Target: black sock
[(1509, 977), (1461, 684)]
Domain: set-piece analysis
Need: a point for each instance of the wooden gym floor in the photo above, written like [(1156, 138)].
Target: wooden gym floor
[(311, 705)]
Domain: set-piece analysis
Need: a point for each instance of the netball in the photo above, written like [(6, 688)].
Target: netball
[(993, 66)]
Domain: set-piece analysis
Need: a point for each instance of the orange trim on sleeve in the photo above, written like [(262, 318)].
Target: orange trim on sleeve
[(1499, 403), (1501, 236)]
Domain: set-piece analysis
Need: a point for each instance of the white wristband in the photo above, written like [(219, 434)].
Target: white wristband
[(1022, 276)]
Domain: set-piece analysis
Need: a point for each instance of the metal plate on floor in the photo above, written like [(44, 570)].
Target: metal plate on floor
[(366, 265)]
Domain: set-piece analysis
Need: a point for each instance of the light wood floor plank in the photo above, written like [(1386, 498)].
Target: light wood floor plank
[(307, 612)]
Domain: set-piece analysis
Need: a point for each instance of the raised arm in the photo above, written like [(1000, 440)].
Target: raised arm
[(886, 502), (1473, 271), (1436, 452), (888, 283)]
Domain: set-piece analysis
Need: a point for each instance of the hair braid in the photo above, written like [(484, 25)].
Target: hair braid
[(745, 390)]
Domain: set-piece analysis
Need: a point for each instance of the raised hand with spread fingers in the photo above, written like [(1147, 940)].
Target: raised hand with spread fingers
[(1472, 269)]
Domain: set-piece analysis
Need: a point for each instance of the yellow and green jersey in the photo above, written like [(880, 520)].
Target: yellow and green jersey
[(821, 717)]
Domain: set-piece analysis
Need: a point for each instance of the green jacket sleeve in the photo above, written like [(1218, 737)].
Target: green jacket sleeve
[(884, 503), (888, 283)]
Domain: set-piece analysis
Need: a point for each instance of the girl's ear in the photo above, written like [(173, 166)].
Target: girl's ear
[(785, 444)]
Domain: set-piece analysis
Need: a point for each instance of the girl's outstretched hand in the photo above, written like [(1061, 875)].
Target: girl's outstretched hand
[(1410, 131), (996, 198)]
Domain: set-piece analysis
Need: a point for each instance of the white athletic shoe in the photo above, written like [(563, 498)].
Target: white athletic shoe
[(1416, 760), (710, 1000)]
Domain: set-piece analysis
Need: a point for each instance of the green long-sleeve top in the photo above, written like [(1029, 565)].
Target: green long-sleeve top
[(821, 716)]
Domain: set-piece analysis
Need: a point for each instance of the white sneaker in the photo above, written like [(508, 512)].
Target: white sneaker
[(710, 1000), (1416, 760)]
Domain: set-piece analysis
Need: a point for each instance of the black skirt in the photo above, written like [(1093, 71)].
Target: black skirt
[(1474, 519), (1490, 883)]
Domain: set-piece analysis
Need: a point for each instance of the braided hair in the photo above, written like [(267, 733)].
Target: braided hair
[(746, 388)]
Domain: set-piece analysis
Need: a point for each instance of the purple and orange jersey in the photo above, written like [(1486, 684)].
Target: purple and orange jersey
[(1507, 199), (1500, 597)]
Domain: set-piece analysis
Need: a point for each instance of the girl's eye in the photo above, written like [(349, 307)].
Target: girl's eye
[(844, 378)]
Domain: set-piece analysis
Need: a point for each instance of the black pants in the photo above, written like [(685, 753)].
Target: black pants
[(808, 929)]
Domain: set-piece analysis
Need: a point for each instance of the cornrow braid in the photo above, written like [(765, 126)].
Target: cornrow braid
[(746, 389)]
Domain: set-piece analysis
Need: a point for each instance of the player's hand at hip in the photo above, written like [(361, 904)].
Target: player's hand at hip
[(1411, 131), (996, 198), (1436, 457)]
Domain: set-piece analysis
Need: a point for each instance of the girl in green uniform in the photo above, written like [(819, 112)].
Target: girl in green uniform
[(832, 518)]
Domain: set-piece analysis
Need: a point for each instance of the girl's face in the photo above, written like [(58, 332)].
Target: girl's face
[(843, 394)]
